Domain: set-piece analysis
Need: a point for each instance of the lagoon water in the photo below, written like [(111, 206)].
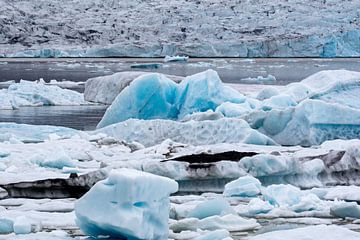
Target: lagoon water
[(79, 70)]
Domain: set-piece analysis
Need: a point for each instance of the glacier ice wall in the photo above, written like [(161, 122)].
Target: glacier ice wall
[(140, 28)]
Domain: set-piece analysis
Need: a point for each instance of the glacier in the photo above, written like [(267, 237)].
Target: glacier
[(128, 204), (142, 29)]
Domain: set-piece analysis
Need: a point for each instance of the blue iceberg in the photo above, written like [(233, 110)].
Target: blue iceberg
[(128, 204), (154, 96)]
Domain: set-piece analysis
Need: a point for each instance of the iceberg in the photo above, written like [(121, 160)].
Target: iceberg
[(321, 107), (230, 222), (311, 122), (345, 209), (28, 93), (176, 58), (217, 206), (151, 132), (104, 89), (22, 225), (258, 206), (154, 96), (246, 186), (128, 204), (260, 79), (291, 197)]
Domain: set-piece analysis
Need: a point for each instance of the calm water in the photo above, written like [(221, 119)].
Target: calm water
[(79, 70), (230, 70), (78, 117)]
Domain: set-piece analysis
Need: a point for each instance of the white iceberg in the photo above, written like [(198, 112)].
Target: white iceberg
[(176, 58), (258, 206), (309, 123), (260, 79), (129, 204), (291, 197), (28, 93), (246, 186), (345, 209)]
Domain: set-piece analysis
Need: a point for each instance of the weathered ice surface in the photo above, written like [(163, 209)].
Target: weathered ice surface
[(141, 28), (150, 132)]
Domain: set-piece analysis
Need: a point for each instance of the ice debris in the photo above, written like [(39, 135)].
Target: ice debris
[(128, 204)]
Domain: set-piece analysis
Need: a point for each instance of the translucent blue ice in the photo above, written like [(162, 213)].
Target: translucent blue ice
[(128, 204), (154, 96)]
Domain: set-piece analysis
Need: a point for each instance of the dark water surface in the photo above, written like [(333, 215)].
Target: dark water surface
[(78, 117), (79, 70)]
